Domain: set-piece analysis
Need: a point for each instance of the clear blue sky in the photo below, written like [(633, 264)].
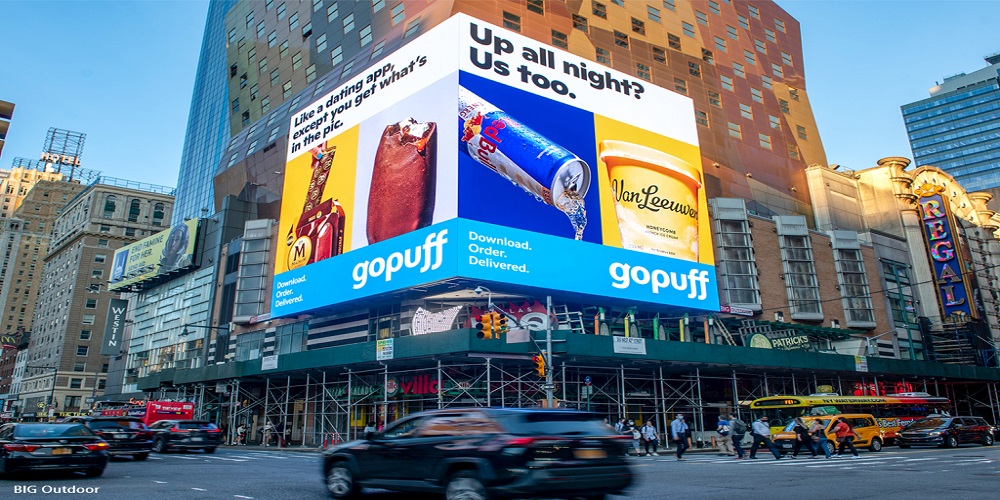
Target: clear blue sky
[(123, 71)]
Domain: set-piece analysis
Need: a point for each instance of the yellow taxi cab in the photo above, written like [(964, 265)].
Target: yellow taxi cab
[(872, 436)]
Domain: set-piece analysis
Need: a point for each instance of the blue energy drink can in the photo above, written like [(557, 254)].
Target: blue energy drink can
[(510, 148)]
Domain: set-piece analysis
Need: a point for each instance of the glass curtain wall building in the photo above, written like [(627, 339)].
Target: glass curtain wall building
[(958, 128), (208, 123)]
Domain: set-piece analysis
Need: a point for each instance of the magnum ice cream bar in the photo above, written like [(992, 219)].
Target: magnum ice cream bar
[(319, 233), (401, 198)]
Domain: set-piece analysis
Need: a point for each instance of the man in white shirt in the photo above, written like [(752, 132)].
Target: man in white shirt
[(650, 436)]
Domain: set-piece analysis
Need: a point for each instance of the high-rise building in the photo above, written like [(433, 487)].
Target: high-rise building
[(740, 63), (6, 113), (208, 123), (955, 128), (17, 182), (65, 363)]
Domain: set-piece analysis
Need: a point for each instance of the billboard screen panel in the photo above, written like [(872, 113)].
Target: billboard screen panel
[(496, 160), (161, 253)]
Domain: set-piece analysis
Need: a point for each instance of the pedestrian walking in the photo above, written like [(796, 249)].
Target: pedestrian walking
[(725, 439), (802, 438), (268, 431), (650, 437), (819, 439), (241, 435), (845, 437), (761, 433), (739, 429), (636, 438), (679, 433)]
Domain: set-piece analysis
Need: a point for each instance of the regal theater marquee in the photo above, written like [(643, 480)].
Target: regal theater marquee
[(946, 259)]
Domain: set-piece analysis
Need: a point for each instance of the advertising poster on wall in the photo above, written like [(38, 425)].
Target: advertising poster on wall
[(500, 159), (168, 250)]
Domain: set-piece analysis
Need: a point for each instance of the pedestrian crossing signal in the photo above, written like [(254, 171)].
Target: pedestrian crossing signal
[(484, 323)]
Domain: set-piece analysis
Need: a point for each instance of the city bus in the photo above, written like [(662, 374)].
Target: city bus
[(148, 411), (892, 412)]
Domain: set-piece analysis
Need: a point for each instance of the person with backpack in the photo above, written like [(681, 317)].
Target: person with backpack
[(845, 436), (725, 440), (739, 430), (650, 437)]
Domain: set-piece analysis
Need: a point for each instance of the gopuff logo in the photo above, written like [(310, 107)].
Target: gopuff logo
[(695, 281), (409, 258)]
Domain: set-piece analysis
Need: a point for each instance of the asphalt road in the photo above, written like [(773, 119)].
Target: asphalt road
[(969, 472)]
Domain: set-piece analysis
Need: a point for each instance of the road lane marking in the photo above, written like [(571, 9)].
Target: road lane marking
[(919, 459), (187, 458), (199, 489), (241, 496), (228, 459), (160, 482)]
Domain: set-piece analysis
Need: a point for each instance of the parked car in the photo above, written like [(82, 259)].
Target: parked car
[(185, 435), (864, 424), (475, 453), (946, 431), (125, 435), (44, 446)]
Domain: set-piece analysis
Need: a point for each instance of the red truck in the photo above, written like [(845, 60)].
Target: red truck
[(152, 411)]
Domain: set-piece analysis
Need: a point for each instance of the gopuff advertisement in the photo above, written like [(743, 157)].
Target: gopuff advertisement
[(498, 158)]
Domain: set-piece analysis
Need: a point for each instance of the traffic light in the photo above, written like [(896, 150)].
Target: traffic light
[(484, 323), (500, 324), (539, 360)]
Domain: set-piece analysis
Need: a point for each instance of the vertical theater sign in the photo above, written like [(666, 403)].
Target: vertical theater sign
[(949, 268)]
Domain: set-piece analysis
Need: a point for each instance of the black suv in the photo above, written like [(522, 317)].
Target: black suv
[(185, 434), (945, 431), (125, 435), (475, 453)]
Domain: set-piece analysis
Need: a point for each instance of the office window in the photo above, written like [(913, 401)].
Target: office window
[(75, 383), (377, 5), (746, 111), (674, 41), (348, 23), (600, 10), (286, 89), (669, 5), (793, 93), (332, 12), (680, 86), (694, 69), (307, 30), (603, 56), (776, 69), (283, 50), (377, 50), (620, 3), (643, 71), (260, 29), (398, 14), (638, 26), (85, 334), (560, 39), (744, 23), (253, 92), (366, 35), (80, 366), (778, 23), (109, 206), (90, 304), (774, 121), (250, 55), (512, 21), (750, 57), (720, 44), (102, 243), (769, 35), (713, 7), (768, 83), (653, 13), (262, 66), (99, 273), (274, 134), (265, 104), (317, 5), (293, 22), (621, 39), (337, 55), (82, 350), (783, 104), (536, 6), (580, 23), (801, 132), (760, 46), (272, 39), (754, 12), (765, 141), (321, 43), (737, 263), (249, 19), (756, 95), (786, 58), (291, 338), (732, 32), (714, 99), (688, 29), (793, 151), (707, 56), (854, 286), (735, 131), (659, 55), (252, 148), (727, 83), (739, 71), (275, 75), (281, 11), (701, 118), (800, 275), (245, 120)]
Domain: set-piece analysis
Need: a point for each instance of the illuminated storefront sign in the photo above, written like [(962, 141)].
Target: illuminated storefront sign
[(945, 258)]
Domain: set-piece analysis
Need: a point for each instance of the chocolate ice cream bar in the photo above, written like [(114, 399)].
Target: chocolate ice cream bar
[(401, 198)]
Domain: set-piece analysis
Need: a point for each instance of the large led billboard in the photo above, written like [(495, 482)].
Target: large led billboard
[(500, 159), (166, 251)]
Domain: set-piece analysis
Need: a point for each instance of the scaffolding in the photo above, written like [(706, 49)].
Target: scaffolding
[(319, 408)]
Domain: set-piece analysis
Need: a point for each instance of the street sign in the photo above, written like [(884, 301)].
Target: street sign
[(587, 380), (89, 400)]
